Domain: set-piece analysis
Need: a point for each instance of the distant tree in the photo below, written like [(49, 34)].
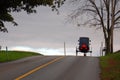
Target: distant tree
[(103, 14), (8, 6)]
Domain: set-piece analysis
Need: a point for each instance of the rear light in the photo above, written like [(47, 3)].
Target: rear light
[(83, 47)]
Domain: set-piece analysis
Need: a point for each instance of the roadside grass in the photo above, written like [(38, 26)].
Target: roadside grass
[(110, 67), (6, 56)]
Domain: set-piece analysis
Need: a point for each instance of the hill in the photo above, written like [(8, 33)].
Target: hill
[(6, 56), (110, 66)]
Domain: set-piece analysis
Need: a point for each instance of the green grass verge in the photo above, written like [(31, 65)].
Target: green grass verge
[(110, 67), (14, 55)]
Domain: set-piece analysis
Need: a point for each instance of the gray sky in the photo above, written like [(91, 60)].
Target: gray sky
[(46, 32)]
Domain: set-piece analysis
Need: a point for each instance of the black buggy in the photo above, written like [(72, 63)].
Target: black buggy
[(84, 45)]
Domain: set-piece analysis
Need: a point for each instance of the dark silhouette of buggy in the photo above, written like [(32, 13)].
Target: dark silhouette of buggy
[(84, 45)]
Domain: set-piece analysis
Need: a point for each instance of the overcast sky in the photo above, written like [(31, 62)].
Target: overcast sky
[(45, 32)]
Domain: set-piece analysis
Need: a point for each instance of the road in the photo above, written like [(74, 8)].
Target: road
[(51, 68)]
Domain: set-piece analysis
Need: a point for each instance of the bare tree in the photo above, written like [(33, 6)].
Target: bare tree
[(103, 14)]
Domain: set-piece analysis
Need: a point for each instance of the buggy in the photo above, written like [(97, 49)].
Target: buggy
[(84, 45)]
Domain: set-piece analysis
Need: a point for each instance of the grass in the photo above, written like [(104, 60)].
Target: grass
[(110, 67), (14, 55)]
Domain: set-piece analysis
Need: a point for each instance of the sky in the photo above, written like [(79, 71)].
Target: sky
[(46, 31)]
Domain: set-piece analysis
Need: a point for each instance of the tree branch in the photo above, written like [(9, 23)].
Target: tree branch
[(101, 18), (2, 27), (117, 18), (118, 22), (94, 11), (117, 12)]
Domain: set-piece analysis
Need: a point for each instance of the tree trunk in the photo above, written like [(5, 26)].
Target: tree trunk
[(107, 41), (113, 4), (111, 42)]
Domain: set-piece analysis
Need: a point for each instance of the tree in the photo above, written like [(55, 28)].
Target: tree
[(103, 14), (8, 6)]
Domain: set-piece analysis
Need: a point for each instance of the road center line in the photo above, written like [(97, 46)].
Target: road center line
[(38, 68)]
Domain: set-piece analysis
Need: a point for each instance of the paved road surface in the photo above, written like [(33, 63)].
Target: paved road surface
[(51, 68)]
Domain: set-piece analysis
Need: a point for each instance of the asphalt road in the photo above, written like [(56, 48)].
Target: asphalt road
[(51, 68)]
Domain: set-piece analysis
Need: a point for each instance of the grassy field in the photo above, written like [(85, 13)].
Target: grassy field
[(14, 55), (110, 67)]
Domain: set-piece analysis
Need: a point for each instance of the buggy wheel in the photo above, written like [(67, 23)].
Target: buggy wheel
[(84, 54), (76, 53)]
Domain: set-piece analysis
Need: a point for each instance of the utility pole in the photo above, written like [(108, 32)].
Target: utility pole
[(7, 53), (101, 49), (6, 48), (64, 49), (0, 48)]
